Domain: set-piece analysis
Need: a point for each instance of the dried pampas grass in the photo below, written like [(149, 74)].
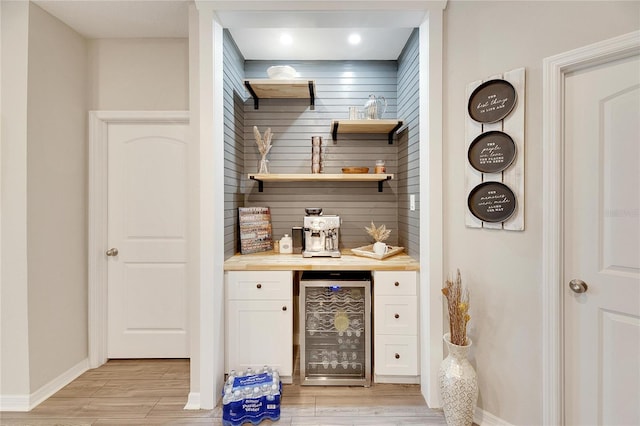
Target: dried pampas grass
[(458, 309)]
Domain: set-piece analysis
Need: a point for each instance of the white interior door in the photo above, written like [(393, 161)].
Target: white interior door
[(602, 244), (148, 226)]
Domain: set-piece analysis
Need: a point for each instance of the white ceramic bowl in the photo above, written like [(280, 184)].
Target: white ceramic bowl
[(281, 72)]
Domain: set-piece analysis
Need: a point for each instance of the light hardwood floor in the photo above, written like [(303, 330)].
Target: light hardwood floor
[(154, 392)]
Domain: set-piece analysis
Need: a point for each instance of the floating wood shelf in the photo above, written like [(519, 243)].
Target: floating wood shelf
[(320, 177), (365, 126), (282, 89)]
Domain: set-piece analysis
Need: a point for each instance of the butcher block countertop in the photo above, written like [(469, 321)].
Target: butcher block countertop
[(270, 261)]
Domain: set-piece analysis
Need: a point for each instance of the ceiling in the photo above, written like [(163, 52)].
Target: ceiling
[(318, 30)]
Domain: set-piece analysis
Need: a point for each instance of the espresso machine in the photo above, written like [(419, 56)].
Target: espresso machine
[(321, 234)]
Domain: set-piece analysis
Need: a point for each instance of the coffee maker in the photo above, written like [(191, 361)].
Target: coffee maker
[(321, 234)]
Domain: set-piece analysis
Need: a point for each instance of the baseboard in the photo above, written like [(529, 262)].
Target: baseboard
[(14, 403), (483, 418), (193, 401), (396, 379), (29, 402), (58, 383)]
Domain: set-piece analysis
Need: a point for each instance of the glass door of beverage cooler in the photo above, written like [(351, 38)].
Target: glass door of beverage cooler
[(335, 325)]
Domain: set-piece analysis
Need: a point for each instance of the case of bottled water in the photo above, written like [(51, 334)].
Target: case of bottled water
[(251, 396)]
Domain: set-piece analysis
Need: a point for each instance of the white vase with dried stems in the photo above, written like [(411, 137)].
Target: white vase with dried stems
[(457, 378), (264, 146), (379, 235)]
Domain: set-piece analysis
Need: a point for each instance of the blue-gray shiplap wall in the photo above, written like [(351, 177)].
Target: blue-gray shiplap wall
[(234, 99), (408, 173), (339, 84)]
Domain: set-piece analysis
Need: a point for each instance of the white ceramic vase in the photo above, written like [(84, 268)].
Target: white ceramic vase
[(458, 383)]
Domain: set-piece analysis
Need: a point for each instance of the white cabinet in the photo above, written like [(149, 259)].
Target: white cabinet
[(259, 321), (395, 319)]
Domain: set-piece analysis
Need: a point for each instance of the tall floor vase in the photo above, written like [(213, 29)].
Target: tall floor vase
[(458, 383)]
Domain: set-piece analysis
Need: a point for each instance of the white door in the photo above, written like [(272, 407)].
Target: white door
[(147, 225), (602, 244)]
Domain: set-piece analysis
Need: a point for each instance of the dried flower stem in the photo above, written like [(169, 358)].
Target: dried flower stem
[(458, 308), (378, 233), (264, 143)]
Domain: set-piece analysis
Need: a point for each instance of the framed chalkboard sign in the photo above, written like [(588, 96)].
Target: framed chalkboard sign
[(492, 152), (492, 202), (492, 101)]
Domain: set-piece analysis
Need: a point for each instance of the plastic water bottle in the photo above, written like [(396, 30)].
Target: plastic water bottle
[(231, 397), (247, 392), (257, 392), (275, 389), (228, 385), (265, 389)]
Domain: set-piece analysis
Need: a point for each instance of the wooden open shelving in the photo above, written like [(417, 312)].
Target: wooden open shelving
[(283, 89), (320, 177), (365, 126)]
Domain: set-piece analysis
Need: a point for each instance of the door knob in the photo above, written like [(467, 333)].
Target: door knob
[(578, 286), (112, 252)]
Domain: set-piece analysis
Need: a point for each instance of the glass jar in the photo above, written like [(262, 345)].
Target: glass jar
[(380, 168)]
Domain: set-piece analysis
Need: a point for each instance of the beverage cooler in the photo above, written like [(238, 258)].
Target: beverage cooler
[(335, 328)]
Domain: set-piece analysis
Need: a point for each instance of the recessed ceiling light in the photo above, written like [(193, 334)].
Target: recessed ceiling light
[(286, 39), (354, 39)]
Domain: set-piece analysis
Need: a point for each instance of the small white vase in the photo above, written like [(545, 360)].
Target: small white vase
[(458, 383)]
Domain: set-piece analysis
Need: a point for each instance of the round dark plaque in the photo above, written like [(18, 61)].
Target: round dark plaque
[(492, 101), (492, 152), (492, 202)]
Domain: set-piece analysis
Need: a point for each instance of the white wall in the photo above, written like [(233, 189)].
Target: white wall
[(14, 332), (56, 197), (44, 297), (139, 74), (503, 268)]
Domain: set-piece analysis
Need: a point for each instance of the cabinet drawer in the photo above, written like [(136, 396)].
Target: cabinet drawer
[(396, 315), (396, 355), (259, 285), (394, 283)]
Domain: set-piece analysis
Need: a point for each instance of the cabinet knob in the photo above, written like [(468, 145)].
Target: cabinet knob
[(259, 286), (284, 308), (396, 316), (397, 284), (397, 356)]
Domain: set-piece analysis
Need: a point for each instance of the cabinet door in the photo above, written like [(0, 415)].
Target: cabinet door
[(260, 333)]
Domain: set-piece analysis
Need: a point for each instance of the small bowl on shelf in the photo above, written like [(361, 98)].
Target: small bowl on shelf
[(281, 72), (353, 170)]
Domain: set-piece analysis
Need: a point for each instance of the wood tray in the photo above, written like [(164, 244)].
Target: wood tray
[(355, 170), (367, 251)]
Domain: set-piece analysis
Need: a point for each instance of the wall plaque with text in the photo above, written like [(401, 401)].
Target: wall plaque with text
[(492, 152), (492, 202), (492, 101)]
